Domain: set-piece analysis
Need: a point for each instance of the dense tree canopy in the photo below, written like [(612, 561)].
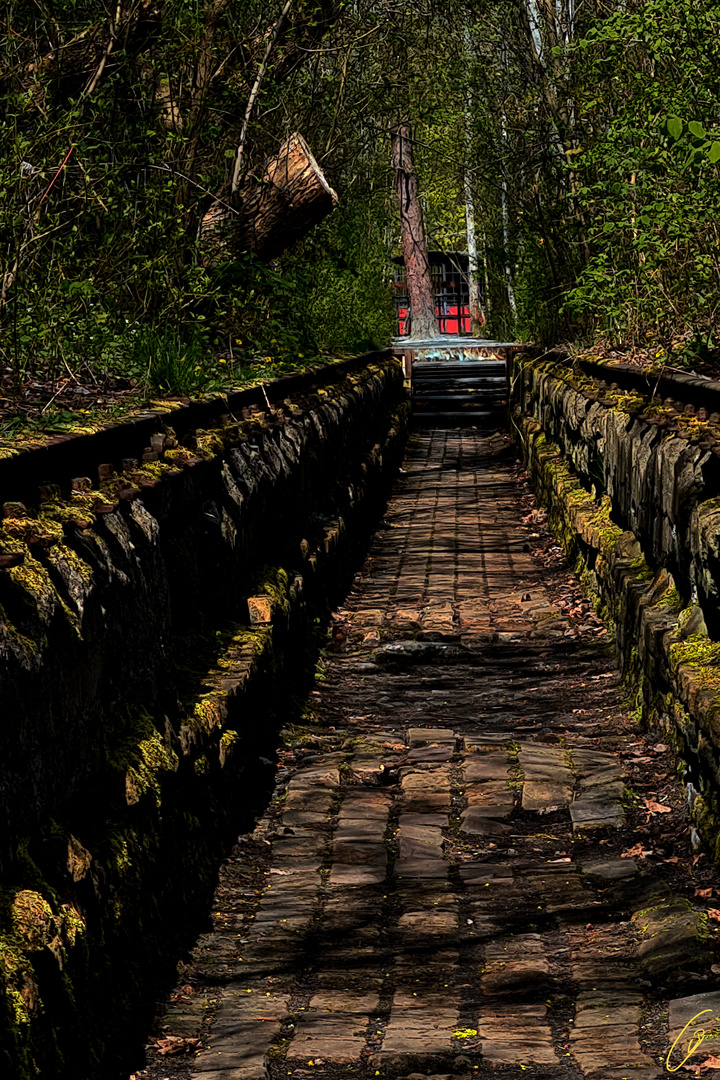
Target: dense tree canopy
[(585, 135)]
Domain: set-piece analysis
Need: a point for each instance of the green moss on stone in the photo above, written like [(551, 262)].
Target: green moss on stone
[(702, 656), (68, 512), (670, 599), (41, 531), (142, 756)]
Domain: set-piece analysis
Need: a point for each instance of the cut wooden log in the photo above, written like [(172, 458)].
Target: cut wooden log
[(272, 213)]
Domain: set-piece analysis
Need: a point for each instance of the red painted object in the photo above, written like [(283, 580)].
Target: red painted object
[(449, 274), (447, 320)]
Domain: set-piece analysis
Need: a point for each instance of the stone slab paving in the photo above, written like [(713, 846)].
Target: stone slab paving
[(445, 882)]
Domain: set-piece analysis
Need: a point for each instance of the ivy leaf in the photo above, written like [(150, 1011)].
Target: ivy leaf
[(695, 128), (675, 127), (714, 153)]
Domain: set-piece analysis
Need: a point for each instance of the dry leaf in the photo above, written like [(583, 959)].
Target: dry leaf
[(635, 852), (656, 807), (175, 1044), (713, 913), (713, 1062), (672, 859), (704, 892)]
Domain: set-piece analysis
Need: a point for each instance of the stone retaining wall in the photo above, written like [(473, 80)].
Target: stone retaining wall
[(634, 503), (659, 465), (154, 625)]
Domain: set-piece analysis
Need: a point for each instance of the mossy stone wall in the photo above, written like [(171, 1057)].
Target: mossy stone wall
[(154, 626), (655, 584), (659, 466)]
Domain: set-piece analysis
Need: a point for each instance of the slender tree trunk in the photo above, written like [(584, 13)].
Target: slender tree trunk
[(506, 239), (412, 230), (477, 316), (504, 202), (488, 301)]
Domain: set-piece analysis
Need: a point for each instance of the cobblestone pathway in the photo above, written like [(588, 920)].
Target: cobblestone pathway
[(438, 887)]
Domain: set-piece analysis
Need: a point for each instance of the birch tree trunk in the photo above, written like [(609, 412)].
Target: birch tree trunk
[(477, 316), (504, 201), (412, 231)]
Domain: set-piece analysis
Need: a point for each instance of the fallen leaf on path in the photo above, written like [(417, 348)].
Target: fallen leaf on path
[(713, 913), (635, 852), (656, 807), (713, 1062), (660, 748), (672, 859), (704, 892), (175, 1044)]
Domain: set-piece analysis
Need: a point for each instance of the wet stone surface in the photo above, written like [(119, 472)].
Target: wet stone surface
[(462, 871)]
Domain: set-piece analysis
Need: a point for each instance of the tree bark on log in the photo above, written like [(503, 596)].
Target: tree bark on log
[(272, 213), (412, 234)]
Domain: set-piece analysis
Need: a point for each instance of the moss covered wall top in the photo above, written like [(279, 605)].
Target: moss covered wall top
[(659, 465), (111, 592)]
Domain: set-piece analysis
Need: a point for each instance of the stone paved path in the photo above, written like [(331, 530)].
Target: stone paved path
[(438, 887)]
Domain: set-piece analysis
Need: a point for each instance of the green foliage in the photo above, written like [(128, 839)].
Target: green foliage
[(106, 168), (172, 363), (647, 180), (590, 144), (344, 268)]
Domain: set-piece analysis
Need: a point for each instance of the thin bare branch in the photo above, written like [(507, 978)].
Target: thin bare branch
[(254, 93)]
